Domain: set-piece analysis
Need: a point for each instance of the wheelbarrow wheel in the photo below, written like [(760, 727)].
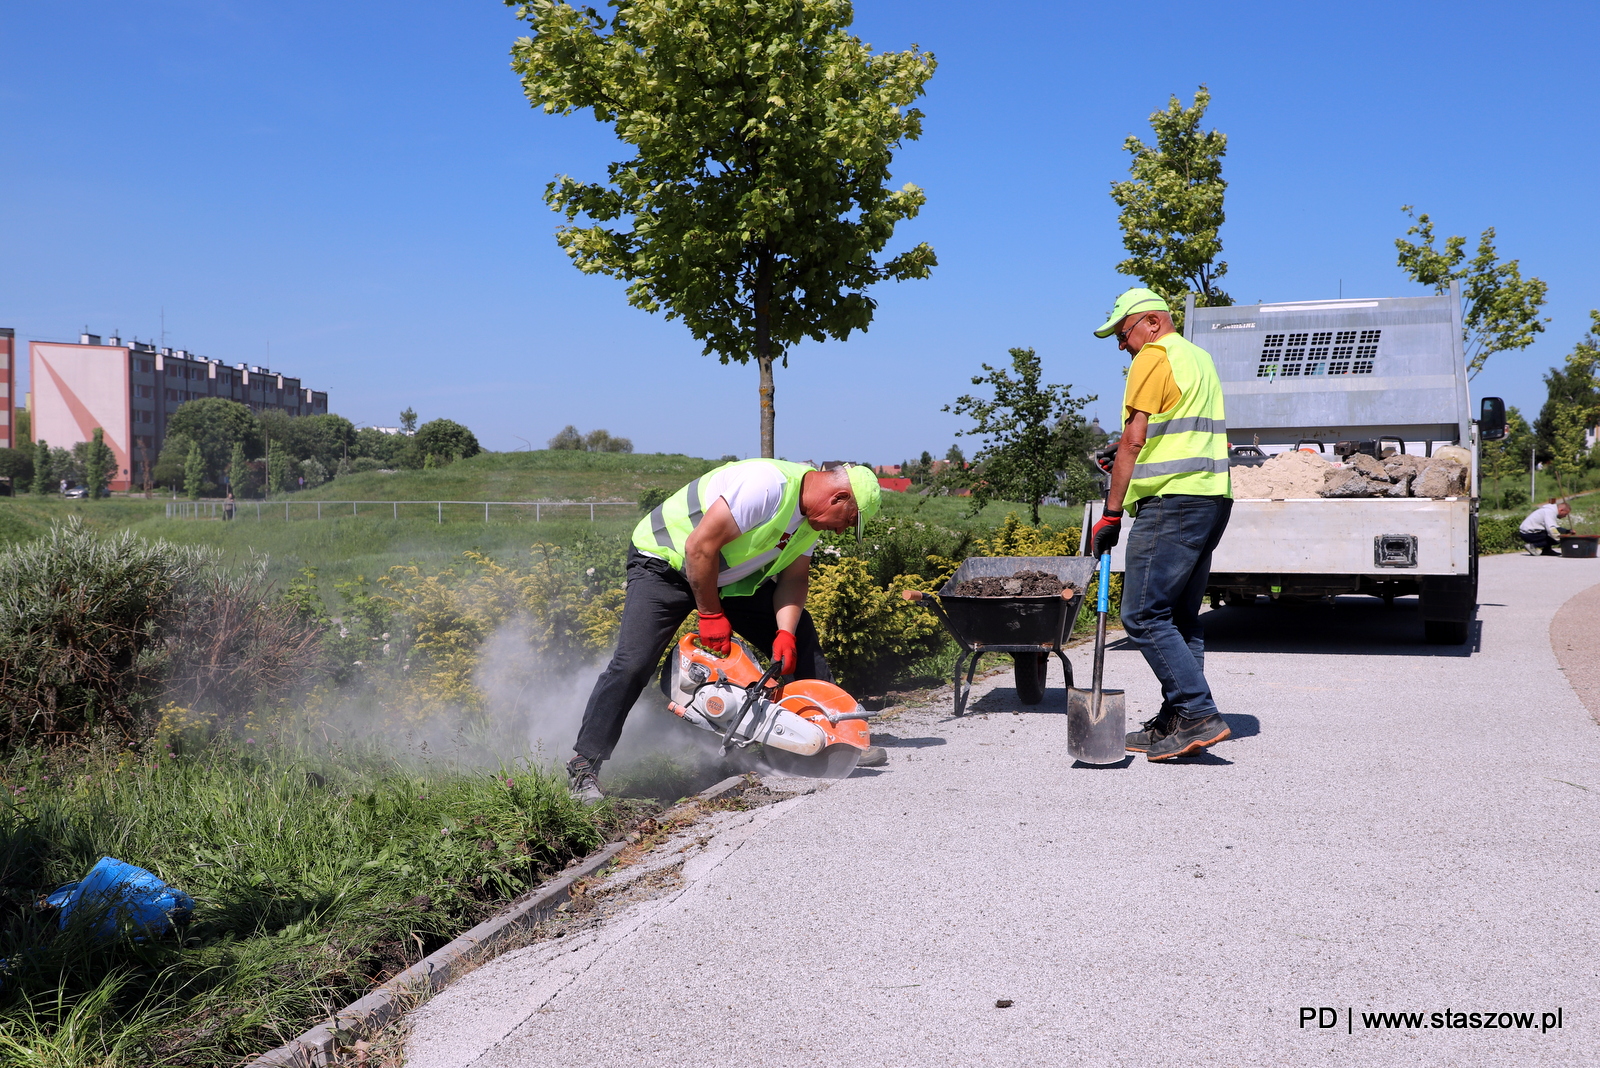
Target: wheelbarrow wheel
[(1031, 671)]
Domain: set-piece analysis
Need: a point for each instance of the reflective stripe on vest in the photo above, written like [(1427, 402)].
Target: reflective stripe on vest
[(1186, 449), (1187, 425), (748, 560)]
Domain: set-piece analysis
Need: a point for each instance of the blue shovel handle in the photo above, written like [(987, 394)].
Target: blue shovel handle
[(1105, 583)]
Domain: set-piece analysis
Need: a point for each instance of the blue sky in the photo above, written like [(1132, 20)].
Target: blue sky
[(358, 187)]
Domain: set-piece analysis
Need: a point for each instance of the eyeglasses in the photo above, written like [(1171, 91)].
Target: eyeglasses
[(1122, 335)]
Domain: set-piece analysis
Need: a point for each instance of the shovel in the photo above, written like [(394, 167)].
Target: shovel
[(1097, 718)]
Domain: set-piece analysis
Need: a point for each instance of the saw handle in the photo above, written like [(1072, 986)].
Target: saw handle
[(752, 692), (859, 713)]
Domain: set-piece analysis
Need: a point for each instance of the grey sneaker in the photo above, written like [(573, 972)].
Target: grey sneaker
[(583, 779), (1152, 730), (1189, 737), (873, 756)]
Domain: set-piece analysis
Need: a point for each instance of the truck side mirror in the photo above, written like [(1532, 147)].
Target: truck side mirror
[(1492, 419)]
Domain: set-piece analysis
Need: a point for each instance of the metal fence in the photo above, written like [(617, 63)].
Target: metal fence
[(264, 510)]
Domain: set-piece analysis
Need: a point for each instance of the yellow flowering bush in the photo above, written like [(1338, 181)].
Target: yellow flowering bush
[(421, 641)]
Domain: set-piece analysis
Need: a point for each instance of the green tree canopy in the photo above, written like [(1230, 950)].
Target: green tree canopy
[(17, 465), (238, 470), (41, 468), (216, 425), (1172, 207), (324, 438), (194, 472), (390, 450), (1025, 454), (569, 439), (1571, 408), (1508, 458), (99, 464), (756, 204), (170, 465), (1501, 308), (446, 441)]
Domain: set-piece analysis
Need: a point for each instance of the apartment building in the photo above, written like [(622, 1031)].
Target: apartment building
[(132, 390)]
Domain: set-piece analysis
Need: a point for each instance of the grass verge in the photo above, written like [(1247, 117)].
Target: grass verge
[(314, 877)]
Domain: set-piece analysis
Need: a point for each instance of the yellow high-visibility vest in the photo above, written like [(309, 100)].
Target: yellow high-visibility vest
[(748, 560), (1186, 449)]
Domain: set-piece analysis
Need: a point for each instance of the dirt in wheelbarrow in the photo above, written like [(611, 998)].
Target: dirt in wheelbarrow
[(1018, 584)]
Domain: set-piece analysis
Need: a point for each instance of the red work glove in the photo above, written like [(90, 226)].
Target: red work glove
[(783, 649), (1103, 536), (1105, 456), (716, 633)]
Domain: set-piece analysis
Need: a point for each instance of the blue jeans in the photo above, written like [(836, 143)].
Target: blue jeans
[(1168, 565)]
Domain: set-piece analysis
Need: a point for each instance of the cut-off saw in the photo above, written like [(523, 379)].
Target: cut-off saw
[(805, 728)]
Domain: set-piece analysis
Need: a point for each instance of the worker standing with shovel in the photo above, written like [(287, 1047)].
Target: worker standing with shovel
[(1171, 471)]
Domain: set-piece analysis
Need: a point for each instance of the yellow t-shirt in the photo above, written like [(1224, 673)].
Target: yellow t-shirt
[(1151, 387)]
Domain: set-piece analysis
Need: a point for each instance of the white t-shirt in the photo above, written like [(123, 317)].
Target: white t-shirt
[(1543, 518), (753, 493)]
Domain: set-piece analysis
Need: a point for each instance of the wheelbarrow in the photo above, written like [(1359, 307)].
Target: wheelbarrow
[(1029, 628)]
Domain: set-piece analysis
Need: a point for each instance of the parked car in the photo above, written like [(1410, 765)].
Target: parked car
[(75, 492)]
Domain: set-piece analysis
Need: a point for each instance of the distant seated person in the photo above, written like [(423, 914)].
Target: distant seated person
[(1542, 530)]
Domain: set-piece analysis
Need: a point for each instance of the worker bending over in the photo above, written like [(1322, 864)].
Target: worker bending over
[(1542, 529), (1171, 471), (734, 544)]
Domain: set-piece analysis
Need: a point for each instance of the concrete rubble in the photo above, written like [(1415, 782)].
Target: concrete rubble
[(1301, 473)]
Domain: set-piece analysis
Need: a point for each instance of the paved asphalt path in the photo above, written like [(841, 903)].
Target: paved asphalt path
[(1395, 827)]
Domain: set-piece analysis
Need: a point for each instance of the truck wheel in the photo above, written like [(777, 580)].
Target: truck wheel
[(1031, 671), (1448, 603)]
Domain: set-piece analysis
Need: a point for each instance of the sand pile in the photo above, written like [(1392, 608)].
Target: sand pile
[(1288, 474), (1301, 474)]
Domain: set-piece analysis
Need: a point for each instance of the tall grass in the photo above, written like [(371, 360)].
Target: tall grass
[(314, 877)]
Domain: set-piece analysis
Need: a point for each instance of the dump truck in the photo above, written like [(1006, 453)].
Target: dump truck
[(1381, 377)]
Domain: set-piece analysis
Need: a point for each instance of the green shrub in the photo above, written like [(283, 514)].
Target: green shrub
[(17, 465), (1514, 498), (446, 441), (870, 634), (893, 546), (650, 498), (1498, 535), (92, 628)]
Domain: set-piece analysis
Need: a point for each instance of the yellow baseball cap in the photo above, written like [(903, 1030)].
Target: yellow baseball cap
[(1132, 302), (868, 494)]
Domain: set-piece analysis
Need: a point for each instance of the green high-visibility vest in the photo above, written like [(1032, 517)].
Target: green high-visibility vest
[(751, 558), (1186, 450)]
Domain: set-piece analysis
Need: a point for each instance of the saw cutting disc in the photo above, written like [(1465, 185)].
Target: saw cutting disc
[(834, 762)]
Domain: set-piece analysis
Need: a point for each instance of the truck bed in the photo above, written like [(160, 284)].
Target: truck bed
[(1333, 536)]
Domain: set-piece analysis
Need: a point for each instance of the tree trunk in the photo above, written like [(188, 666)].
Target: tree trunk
[(763, 302)]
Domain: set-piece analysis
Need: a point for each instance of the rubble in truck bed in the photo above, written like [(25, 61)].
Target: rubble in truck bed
[(1019, 584), (1302, 473)]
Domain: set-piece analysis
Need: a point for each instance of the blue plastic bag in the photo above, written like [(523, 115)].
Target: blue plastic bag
[(125, 894)]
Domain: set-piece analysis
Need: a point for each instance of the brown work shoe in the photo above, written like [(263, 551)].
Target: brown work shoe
[(1189, 737)]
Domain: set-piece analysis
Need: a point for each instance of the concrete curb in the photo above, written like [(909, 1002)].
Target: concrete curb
[(318, 1046)]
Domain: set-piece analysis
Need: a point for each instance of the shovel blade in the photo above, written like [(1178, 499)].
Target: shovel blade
[(1094, 740)]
